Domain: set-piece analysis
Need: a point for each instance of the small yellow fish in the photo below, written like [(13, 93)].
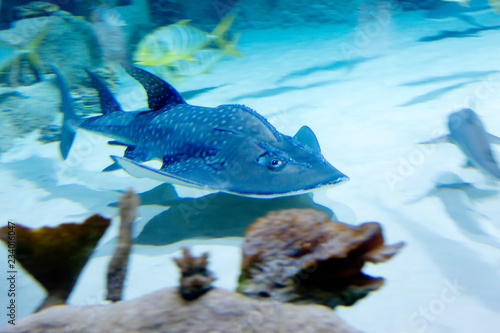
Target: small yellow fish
[(9, 52), (204, 60), (178, 42)]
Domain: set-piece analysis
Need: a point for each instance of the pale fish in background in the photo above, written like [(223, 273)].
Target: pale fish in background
[(178, 42), (107, 25)]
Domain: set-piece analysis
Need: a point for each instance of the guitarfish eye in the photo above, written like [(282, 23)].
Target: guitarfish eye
[(275, 164), (272, 161)]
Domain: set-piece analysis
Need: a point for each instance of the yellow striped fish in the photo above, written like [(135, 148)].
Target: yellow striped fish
[(204, 60), (178, 42)]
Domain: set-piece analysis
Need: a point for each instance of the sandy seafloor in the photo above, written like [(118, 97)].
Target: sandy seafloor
[(368, 122)]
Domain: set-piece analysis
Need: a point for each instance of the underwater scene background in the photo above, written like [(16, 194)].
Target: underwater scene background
[(401, 97)]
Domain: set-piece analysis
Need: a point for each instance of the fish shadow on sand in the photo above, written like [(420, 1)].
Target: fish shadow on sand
[(214, 215), (282, 90), (42, 172), (456, 198), (348, 64), (444, 34), (461, 75), (458, 263), (197, 92), (435, 93)]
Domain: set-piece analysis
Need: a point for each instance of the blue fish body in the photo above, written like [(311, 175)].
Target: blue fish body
[(229, 148)]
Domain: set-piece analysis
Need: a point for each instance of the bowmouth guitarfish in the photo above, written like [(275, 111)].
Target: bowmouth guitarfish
[(228, 148)]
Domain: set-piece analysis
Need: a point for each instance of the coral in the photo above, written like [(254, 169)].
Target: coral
[(66, 41), (196, 279), (35, 106), (117, 267), (299, 255), (55, 256), (12, 10)]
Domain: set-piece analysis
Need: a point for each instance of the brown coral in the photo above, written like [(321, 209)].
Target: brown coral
[(55, 256), (196, 279), (299, 255)]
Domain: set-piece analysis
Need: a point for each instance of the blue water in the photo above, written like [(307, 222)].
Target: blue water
[(371, 86)]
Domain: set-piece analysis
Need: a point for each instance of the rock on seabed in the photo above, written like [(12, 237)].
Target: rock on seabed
[(165, 310)]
